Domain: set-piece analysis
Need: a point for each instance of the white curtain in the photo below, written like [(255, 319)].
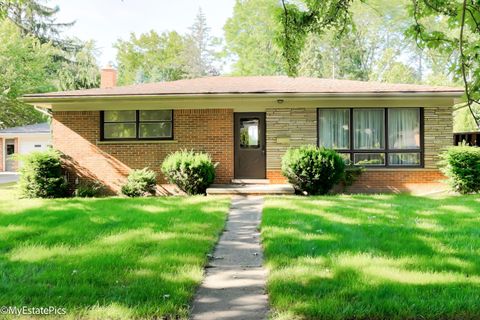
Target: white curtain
[(368, 128), (404, 128), (333, 128)]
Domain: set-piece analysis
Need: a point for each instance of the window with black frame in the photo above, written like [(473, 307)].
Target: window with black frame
[(137, 125), (375, 137)]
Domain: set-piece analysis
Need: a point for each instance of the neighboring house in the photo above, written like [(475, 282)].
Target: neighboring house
[(247, 123), (22, 140)]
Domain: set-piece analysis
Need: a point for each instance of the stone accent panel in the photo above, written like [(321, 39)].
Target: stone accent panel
[(288, 127), (438, 133), (76, 134)]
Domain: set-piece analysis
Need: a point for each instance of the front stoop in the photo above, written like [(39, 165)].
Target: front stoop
[(250, 189)]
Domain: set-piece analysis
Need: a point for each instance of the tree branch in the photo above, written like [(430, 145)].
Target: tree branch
[(463, 64)]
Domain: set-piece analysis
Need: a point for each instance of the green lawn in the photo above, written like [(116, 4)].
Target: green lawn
[(106, 258), (373, 257)]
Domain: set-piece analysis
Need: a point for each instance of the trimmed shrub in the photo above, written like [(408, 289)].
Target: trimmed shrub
[(89, 189), (313, 170), (41, 175), (140, 183), (462, 167), (352, 173), (191, 171)]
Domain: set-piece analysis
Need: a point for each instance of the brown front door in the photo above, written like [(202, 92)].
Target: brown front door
[(250, 160)]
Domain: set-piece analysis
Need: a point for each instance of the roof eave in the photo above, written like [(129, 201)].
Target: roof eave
[(46, 99), (4, 134)]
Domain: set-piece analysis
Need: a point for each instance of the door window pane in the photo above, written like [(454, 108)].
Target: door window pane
[(249, 129), (156, 130), (369, 159), (120, 130), (404, 159), (369, 129), (120, 116), (334, 128), (155, 115), (10, 149), (404, 128)]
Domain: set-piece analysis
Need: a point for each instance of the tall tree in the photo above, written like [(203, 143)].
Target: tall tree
[(249, 36), (200, 49), (79, 69), (35, 17), (36, 58), (371, 47), (460, 39), (25, 65), (151, 57)]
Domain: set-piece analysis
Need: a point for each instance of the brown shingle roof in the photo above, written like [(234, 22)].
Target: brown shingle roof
[(256, 85)]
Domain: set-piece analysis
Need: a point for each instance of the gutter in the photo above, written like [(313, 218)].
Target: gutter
[(300, 96)]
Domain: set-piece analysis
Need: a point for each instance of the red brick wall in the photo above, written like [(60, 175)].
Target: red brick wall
[(2, 150), (376, 181), (76, 133)]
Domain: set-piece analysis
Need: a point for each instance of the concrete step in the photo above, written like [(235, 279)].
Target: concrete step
[(250, 189), (250, 181)]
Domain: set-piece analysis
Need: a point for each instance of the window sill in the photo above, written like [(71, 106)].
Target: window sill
[(136, 142)]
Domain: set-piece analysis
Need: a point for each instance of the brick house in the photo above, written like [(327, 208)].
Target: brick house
[(247, 123)]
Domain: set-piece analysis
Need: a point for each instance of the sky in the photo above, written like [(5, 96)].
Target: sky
[(105, 21)]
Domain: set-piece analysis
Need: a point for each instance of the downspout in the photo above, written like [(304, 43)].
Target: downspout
[(44, 111)]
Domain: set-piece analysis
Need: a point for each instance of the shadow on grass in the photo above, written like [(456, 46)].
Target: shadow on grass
[(373, 257), (107, 258)]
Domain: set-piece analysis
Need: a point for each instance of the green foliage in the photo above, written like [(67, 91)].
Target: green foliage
[(200, 49), (463, 120), (249, 36), (461, 164), (313, 170), (191, 171), (151, 57), (24, 66), (78, 69), (140, 183), (89, 189), (300, 19), (30, 63), (37, 19), (359, 40), (352, 173), (41, 175)]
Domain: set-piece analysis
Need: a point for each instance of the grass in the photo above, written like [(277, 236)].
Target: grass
[(108, 258), (373, 257)]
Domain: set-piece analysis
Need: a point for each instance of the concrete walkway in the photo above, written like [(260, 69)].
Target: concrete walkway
[(234, 286)]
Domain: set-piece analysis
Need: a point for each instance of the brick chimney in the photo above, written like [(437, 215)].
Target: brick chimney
[(108, 77)]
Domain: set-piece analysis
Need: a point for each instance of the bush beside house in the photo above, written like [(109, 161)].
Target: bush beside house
[(313, 170), (89, 189), (461, 165), (41, 175), (193, 172), (140, 183)]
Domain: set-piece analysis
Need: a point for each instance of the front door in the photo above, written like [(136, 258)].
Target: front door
[(9, 153), (250, 160)]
